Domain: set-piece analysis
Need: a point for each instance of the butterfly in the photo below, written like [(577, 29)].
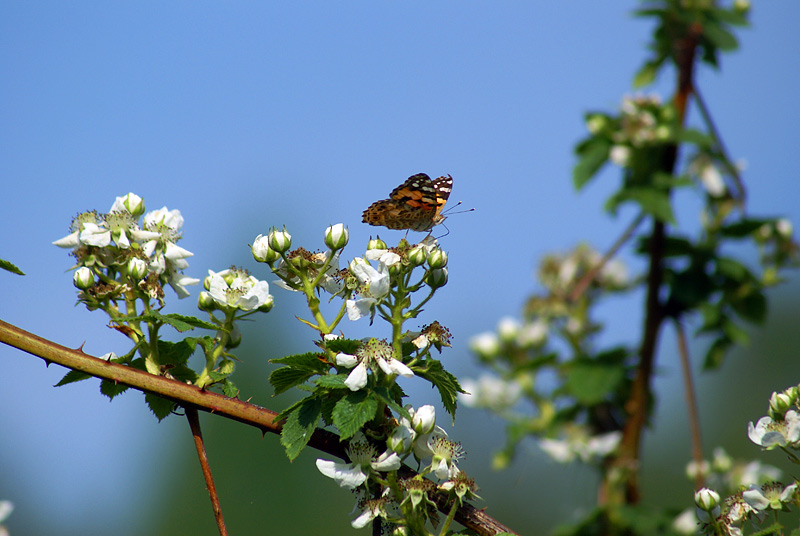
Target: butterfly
[(416, 204)]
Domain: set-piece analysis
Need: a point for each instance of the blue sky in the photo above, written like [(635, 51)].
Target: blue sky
[(246, 115)]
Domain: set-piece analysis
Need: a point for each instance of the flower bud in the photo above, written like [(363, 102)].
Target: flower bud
[(436, 278), (401, 440), (132, 203), (336, 236), (417, 256), (596, 123), (280, 241), (376, 243), (779, 403), (83, 278), (437, 259), (261, 250), (706, 499), (205, 302), (424, 419), (267, 305), (137, 269)]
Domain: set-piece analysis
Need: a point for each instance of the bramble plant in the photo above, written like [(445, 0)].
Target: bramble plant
[(548, 374)]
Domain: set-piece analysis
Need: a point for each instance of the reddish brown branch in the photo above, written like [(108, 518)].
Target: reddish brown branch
[(691, 403), (197, 435), (190, 396)]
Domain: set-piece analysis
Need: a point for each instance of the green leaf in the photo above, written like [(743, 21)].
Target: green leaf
[(654, 202), (446, 383), (593, 154), (720, 37), (354, 411), (647, 74), (111, 388), (716, 353), (332, 381), (300, 368), (9, 267), (299, 426), (229, 389), (73, 376), (184, 323), (285, 378), (345, 346), (590, 382), (383, 394), (696, 137), (743, 228), (161, 407)]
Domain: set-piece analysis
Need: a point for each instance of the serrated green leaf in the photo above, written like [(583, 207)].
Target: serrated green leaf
[(10, 267), (161, 407), (345, 346), (446, 383), (229, 389), (385, 397), (590, 382), (73, 376), (285, 378), (332, 381), (354, 411), (299, 425), (180, 322), (175, 353), (592, 155), (310, 361), (112, 388)]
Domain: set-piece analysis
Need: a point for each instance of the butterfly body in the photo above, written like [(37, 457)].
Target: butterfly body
[(416, 204)]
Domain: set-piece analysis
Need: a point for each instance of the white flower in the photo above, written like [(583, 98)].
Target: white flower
[(374, 286), (620, 155), (579, 444), (372, 509), (770, 434), (485, 344), (445, 455), (372, 355), (130, 203), (490, 392), (244, 291), (164, 217), (69, 241), (772, 496), (93, 234), (364, 459), (179, 282), (507, 328), (533, 333)]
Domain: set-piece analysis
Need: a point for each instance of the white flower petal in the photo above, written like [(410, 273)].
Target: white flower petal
[(344, 474), (357, 377)]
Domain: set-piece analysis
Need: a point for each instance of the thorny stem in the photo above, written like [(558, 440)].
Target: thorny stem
[(231, 408), (691, 402), (197, 434), (620, 484)]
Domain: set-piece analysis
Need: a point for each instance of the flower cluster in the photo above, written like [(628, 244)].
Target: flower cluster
[(116, 254), (402, 502), (124, 259), (519, 351)]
